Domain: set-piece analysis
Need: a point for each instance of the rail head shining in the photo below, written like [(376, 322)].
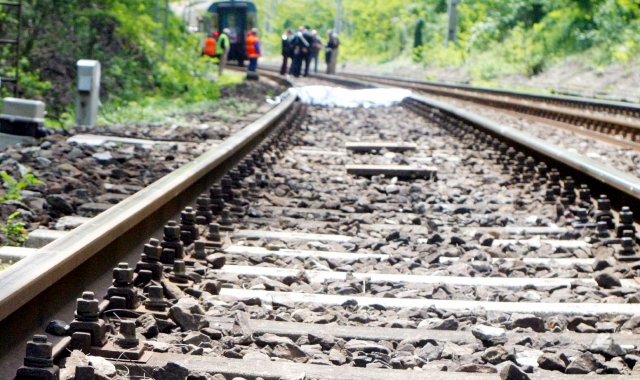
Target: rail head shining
[(23, 281)]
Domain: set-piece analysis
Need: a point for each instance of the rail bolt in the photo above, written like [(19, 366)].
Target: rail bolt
[(39, 352), (179, 272), (122, 275), (38, 361), (152, 250), (87, 307), (127, 337), (156, 301), (85, 372)]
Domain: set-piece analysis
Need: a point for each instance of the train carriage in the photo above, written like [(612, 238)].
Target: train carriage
[(239, 17)]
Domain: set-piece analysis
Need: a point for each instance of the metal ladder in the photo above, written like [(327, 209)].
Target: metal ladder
[(16, 79)]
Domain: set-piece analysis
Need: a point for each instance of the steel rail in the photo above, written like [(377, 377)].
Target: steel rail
[(623, 189), (536, 106), (46, 284), (621, 108)]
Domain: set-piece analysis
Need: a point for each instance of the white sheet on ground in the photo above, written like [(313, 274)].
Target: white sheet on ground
[(345, 98)]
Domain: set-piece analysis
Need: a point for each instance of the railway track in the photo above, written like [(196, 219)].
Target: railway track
[(368, 243), (614, 122)]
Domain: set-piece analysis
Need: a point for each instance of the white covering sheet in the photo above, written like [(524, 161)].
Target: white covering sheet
[(345, 98)]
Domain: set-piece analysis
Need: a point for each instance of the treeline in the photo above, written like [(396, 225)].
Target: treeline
[(121, 34), (497, 35)]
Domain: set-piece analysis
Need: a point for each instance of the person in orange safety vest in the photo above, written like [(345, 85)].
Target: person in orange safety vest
[(209, 46), (253, 49)]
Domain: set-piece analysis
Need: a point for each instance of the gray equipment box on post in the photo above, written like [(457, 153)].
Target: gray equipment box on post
[(21, 117), (88, 92)]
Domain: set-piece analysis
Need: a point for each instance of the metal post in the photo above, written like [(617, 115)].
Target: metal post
[(164, 34), (453, 22), (88, 92)]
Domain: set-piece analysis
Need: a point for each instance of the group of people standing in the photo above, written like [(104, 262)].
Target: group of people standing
[(304, 47)]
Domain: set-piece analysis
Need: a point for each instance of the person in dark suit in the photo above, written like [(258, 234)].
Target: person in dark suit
[(287, 51), (308, 37), (300, 48)]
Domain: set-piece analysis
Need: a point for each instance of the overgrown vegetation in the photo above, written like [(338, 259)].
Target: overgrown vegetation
[(495, 37), (123, 36), (14, 232), (14, 186)]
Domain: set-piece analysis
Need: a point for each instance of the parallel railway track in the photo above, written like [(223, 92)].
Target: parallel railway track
[(339, 240)]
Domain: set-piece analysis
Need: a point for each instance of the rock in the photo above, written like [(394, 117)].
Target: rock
[(196, 338), (452, 350), (211, 286), (171, 291), (216, 260), (632, 361), (212, 333), (171, 371), (486, 240), (57, 327), (103, 157), (600, 264), (527, 321), (199, 376), (439, 324), (584, 328), (493, 335), (496, 355), (556, 323), (272, 340), (288, 351), (477, 368), (605, 345), (429, 352), (553, 362), (582, 364), (528, 357), (356, 345), (44, 162), (101, 365), (256, 355), (337, 357), (510, 371), (147, 326), (325, 340), (241, 325), (185, 319), (92, 209), (301, 314), (632, 324), (75, 153), (607, 280), (457, 240), (59, 204), (615, 366)]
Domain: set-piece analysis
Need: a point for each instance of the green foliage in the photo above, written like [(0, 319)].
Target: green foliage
[(160, 108), (495, 37), (123, 36), (14, 232), (14, 186)]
